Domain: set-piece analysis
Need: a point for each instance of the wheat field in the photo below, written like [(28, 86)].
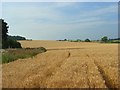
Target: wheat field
[(64, 65)]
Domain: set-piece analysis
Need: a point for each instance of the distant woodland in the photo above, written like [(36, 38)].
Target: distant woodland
[(16, 37)]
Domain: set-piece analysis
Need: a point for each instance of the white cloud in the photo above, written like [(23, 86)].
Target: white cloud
[(30, 13), (98, 12), (28, 21)]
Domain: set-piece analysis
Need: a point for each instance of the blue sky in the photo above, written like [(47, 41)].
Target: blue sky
[(60, 20)]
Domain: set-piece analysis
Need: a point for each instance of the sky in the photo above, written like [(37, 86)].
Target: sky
[(61, 20)]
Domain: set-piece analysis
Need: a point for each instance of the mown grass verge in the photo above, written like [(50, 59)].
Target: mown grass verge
[(13, 54)]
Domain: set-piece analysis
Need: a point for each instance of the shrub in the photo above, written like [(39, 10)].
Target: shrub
[(10, 43), (42, 49), (87, 40), (65, 40), (78, 40)]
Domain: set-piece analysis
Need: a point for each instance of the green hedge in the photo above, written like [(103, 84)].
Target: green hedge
[(10, 43), (14, 54)]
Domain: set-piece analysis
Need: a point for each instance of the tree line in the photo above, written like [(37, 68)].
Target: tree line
[(16, 37), (104, 39), (6, 41)]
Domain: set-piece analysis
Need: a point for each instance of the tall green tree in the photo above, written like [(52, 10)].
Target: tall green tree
[(104, 39), (4, 29), (6, 42), (0, 33)]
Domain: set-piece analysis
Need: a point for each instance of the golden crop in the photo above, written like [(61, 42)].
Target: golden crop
[(65, 65)]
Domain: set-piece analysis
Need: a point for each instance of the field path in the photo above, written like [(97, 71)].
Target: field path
[(71, 67)]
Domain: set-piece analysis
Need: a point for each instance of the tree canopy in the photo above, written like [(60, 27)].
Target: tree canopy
[(87, 40), (104, 39), (16, 37), (4, 28), (6, 42)]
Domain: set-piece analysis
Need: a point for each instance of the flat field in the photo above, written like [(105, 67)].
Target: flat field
[(64, 65)]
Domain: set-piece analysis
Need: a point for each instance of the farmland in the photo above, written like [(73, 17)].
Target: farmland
[(64, 65)]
